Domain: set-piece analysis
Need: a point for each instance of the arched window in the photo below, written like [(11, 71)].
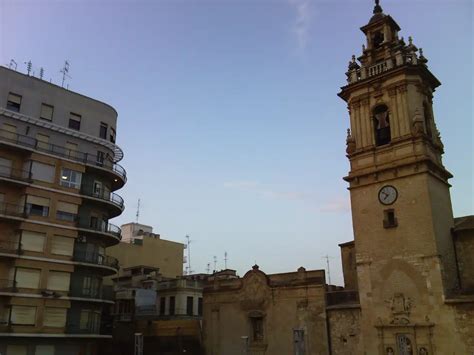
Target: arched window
[(428, 120), (381, 125)]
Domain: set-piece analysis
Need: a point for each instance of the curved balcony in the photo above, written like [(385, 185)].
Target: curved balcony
[(97, 259), (91, 160), (100, 227), (104, 293), (109, 197)]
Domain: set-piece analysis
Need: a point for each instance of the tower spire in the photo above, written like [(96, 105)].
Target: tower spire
[(377, 7)]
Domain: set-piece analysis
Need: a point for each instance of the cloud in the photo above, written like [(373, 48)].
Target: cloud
[(302, 22), (265, 191), (337, 204)]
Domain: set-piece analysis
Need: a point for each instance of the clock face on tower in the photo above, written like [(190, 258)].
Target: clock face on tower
[(388, 195)]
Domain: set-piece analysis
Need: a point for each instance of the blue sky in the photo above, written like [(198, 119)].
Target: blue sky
[(228, 113)]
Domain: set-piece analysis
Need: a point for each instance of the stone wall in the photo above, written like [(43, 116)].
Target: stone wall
[(344, 330)]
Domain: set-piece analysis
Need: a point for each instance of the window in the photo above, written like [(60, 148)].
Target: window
[(389, 221), (42, 172), (58, 280), (172, 305), (382, 125), (17, 350), (91, 286), (189, 305), (257, 328), (90, 320), (9, 132), (5, 167), (74, 121), (100, 158), (112, 135), (37, 206), (378, 39), (62, 245), (66, 211), (162, 305), (70, 178), (23, 315), (298, 341), (200, 306), (54, 317), (103, 130), (32, 241), (97, 189), (44, 350), (46, 112), (42, 141), (27, 278), (13, 102), (71, 149)]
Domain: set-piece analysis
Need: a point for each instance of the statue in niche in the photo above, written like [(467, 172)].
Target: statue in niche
[(389, 351), (423, 351), (350, 143)]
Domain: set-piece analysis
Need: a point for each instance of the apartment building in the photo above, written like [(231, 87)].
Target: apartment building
[(58, 174)]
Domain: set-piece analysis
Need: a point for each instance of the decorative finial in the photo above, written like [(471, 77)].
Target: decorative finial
[(377, 7), (363, 48), (410, 40)]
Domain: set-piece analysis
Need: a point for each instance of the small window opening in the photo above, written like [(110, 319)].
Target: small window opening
[(428, 120), (389, 221), (378, 39), (382, 125)]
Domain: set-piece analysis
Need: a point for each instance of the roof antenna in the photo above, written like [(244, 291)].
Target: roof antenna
[(12, 63), (225, 260), (41, 73), (327, 257), (188, 243), (65, 72), (138, 211), (208, 269), (29, 66), (215, 263)]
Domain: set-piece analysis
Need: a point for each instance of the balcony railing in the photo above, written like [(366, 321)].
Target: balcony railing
[(7, 285), (85, 158), (342, 297), (15, 210), (100, 226), (106, 196), (15, 174), (96, 258), (10, 247), (98, 292)]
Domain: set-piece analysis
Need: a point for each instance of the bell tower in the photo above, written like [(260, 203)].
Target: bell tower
[(400, 200)]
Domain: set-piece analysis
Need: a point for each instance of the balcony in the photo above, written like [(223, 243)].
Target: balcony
[(7, 172), (10, 247), (339, 298), (94, 292), (109, 197), (85, 158), (7, 285), (12, 210), (96, 258), (100, 226)]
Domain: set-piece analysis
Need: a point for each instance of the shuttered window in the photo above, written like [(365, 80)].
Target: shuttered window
[(32, 241), (71, 149), (44, 350), (46, 112), (23, 315), (17, 350), (58, 280), (4, 314), (9, 131), (13, 102), (42, 172), (62, 245), (74, 121), (54, 317), (38, 206), (42, 141), (27, 278), (66, 211), (5, 167)]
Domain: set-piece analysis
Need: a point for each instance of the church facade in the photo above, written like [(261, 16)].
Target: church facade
[(409, 272)]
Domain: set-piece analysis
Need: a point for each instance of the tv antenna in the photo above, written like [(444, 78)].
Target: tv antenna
[(188, 244), (29, 66), (208, 268), (225, 260), (215, 263), (138, 211), (41, 73), (327, 257), (65, 72), (12, 64)]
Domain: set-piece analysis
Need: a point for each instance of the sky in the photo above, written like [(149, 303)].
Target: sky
[(228, 115)]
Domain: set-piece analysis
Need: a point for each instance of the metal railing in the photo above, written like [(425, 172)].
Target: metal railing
[(15, 174), (9, 246), (63, 152), (100, 226), (106, 196), (342, 297), (7, 285), (95, 258), (14, 210)]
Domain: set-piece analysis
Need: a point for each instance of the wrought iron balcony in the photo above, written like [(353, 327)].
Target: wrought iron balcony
[(15, 174), (99, 292), (100, 226), (96, 258), (85, 158), (111, 197), (12, 210)]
